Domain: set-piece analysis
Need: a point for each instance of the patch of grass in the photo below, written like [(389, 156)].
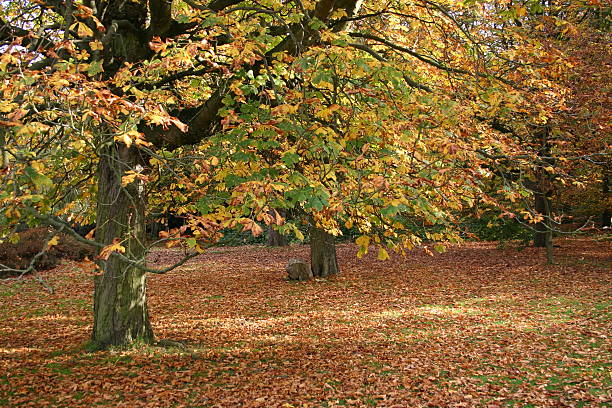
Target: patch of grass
[(59, 368), (214, 297), (114, 359), (371, 402)]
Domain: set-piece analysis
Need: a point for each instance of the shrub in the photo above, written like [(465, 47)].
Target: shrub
[(491, 227), (19, 255)]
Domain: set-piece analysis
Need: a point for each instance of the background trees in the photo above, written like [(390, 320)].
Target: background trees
[(560, 120)]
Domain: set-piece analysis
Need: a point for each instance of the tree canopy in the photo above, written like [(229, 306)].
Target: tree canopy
[(382, 116)]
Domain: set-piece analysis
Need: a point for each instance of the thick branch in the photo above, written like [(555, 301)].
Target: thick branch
[(203, 120), (215, 5), (161, 17)]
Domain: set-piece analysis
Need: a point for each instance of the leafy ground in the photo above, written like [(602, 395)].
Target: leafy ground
[(474, 327)]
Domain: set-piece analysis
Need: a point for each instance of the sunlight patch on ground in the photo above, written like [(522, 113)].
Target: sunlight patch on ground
[(55, 317), (18, 350)]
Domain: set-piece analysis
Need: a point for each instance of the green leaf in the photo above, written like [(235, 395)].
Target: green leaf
[(290, 158), (440, 248), (316, 24), (389, 211), (95, 68), (315, 202), (40, 180)]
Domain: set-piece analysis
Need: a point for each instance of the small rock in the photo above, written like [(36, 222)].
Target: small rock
[(299, 270)]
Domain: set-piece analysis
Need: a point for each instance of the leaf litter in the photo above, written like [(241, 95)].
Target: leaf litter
[(476, 326)]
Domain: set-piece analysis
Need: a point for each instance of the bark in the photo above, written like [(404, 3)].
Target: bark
[(548, 241), (541, 228), (606, 216), (543, 193), (120, 305), (322, 253), (4, 157), (275, 238)]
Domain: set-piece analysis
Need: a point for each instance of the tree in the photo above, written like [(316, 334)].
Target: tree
[(369, 116), (561, 123)]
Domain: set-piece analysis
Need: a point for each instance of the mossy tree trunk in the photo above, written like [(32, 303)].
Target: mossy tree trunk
[(120, 303), (322, 253)]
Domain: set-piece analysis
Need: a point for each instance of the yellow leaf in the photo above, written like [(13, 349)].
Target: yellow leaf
[(383, 255), (109, 249), (363, 241), (82, 29), (96, 45), (6, 106), (299, 235), (126, 139), (127, 179), (53, 241), (78, 145)]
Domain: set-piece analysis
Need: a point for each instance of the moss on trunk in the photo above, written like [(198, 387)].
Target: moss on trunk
[(120, 304)]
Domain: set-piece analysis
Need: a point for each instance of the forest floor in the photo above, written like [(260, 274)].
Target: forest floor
[(476, 326)]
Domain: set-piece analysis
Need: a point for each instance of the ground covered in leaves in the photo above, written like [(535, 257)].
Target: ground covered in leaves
[(477, 326)]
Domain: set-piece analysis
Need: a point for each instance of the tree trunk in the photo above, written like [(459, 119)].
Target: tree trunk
[(4, 157), (275, 238), (543, 193), (606, 215), (606, 218), (322, 253), (548, 241), (120, 304), (541, 228)]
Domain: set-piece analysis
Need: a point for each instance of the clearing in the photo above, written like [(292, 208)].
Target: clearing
[(476, 326)]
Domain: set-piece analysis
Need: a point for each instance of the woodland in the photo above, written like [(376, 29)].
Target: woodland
[(305, 203)]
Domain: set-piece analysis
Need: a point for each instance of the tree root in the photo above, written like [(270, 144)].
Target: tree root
[(167, 343)]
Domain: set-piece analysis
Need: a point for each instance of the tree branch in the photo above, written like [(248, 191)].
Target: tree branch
[(161, 17), (203, 120), (409, 52), (412, 83)]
